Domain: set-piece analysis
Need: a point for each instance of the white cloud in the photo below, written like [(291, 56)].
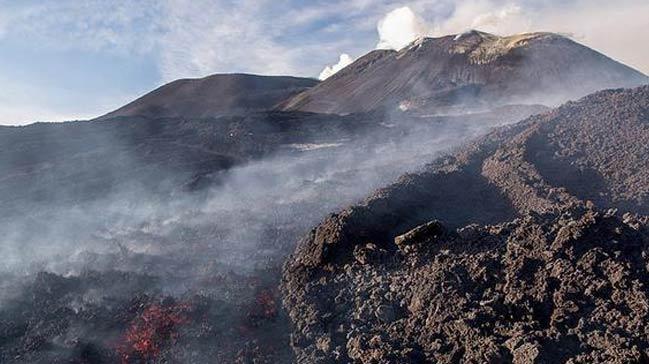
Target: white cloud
[(399, 28), (200, 39), (494, 20), (344, 61), (486, 15), (121, 25)]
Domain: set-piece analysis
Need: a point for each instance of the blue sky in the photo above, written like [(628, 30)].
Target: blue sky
[(74, 59)]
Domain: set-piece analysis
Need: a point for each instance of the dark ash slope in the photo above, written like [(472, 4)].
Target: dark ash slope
[(216, 95)]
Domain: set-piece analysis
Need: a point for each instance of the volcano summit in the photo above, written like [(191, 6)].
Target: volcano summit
[(473, 70)]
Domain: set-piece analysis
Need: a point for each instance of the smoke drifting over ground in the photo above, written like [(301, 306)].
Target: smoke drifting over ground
[(210, 236), (344, 61), (293, 185), (399, 28)]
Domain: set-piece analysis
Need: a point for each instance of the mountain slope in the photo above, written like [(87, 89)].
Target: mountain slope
[(514, 289), (474, 68), (215, 95)]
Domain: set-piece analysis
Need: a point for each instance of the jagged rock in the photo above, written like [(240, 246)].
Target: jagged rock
[(367, 253), (524, 299), (526, 354), (419, 236), (534, 272)]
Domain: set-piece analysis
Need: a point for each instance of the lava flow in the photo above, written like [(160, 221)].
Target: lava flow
[(154, 328)]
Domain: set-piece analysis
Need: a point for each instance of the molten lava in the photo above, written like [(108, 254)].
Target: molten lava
[(154, 328)]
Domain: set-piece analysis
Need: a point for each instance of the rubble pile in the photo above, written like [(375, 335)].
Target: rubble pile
[(539, 289), (528, 246)]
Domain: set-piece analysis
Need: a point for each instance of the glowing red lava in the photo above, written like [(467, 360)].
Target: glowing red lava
[(154, 328)]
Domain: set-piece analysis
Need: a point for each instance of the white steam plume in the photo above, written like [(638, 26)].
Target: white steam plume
[(399, 28), (344, 61)]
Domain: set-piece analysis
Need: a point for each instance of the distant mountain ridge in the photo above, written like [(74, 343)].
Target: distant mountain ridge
[(214, 96), (473, 68)]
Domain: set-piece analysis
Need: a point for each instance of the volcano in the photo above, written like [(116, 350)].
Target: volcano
[(157, 233), (474, 70)]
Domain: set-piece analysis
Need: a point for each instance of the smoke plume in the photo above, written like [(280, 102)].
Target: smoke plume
[(399, 28), (344, 61)]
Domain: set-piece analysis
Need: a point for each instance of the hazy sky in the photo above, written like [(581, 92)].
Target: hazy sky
[(73, 59)]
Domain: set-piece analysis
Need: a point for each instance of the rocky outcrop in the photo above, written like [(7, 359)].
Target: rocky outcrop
[(539, 289), (527, 246)]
